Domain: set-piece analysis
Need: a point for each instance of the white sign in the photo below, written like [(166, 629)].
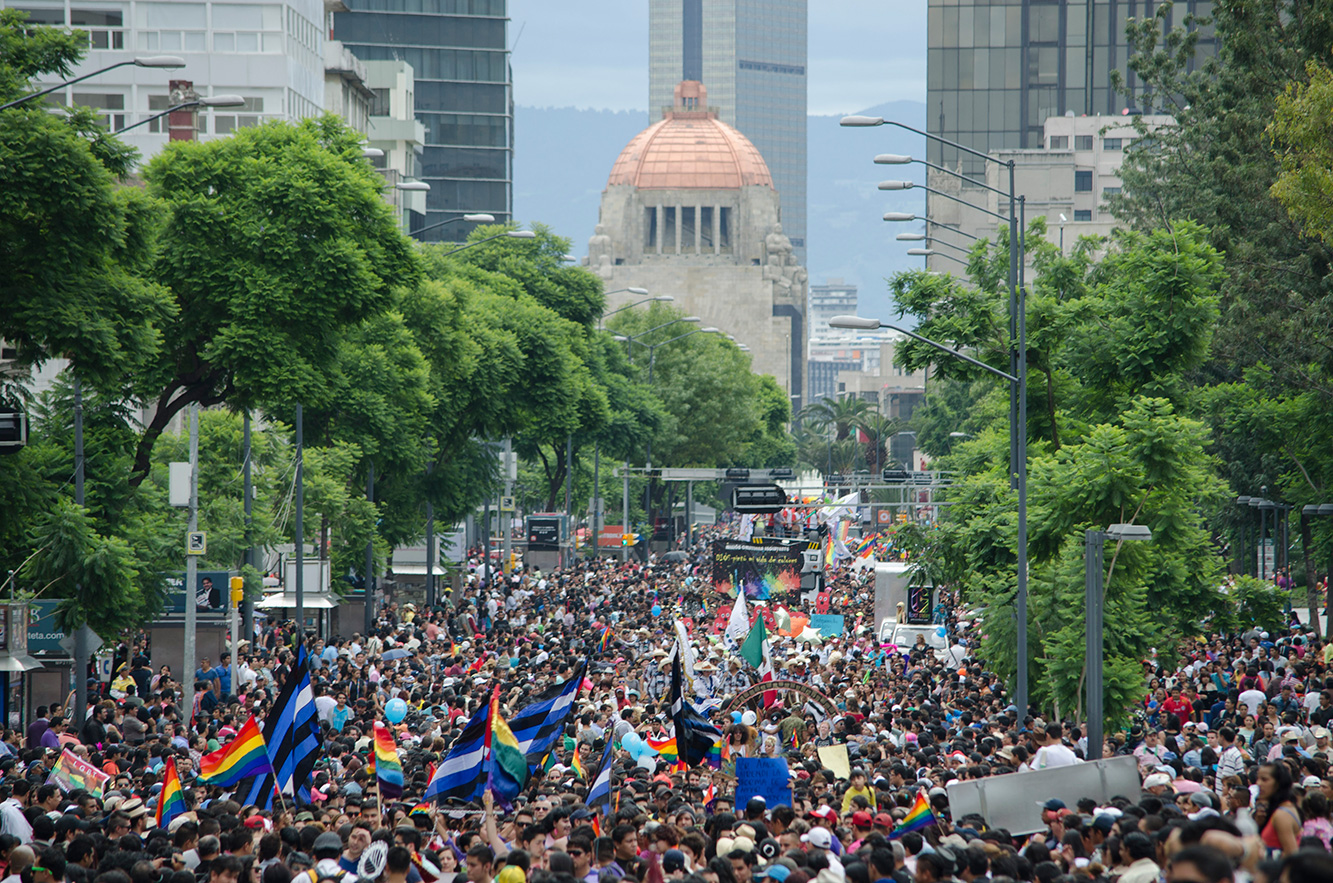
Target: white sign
[(196, 543), (506, 504), (178, 491), (1266, 559)]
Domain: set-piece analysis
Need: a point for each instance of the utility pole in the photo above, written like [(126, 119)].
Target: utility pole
[(369, 613), (507, 521), (624, 504), (191, 570), (80, 677), (248, 492), (300, 526), (596, 498)]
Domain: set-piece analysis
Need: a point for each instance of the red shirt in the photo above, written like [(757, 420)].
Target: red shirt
[(1181, 708)]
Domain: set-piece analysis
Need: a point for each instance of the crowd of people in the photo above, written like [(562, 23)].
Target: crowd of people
[(1231, 742)]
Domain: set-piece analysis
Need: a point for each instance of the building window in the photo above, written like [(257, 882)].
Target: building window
[(226, 123), (1082, 214), (706, 228), (109, 105), (1083, 142), (1110, 191), (1083, 182), (379, 103), (650, 227), (1059, 142), (1111, 144), (724, 229)]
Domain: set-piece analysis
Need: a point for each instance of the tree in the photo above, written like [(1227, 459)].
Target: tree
[(74, 248), (1119, 338), (841, 414), (277, 243)]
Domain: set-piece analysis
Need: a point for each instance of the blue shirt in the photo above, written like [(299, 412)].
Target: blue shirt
[(223, 674)]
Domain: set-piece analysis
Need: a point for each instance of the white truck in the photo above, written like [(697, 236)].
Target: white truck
[(904, 607)]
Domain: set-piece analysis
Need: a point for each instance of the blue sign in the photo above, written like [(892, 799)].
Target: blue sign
[(211, 591), (765, 777), (830, 625), (44, 635)]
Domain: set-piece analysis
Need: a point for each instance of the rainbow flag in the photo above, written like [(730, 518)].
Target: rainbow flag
[(710, 798), (576, 763), (918, 817), (665, 747), (171, 801), (605, 640), (421, 809), (72, 774), (388, 771), (506, 766), (716, 755), (242, 757)]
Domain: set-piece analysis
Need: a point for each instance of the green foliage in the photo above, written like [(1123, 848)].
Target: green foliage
[(277, 242), (1108, 443), (1254, 603), (1302, 130)]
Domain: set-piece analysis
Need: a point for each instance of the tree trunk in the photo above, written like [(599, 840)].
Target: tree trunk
[(1311, 589), (191, 390)]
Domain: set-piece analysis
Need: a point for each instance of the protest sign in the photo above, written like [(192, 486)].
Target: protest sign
[(830, 625), (71, 774), (765, 777), (834, 757)]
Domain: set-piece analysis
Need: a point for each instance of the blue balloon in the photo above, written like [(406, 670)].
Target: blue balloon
[(941, 632), (657, 610), (736, 717), (395, 711)]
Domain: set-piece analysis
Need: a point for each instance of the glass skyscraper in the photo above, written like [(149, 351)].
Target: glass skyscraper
[(464, 96), (997, 69), (751, 57)]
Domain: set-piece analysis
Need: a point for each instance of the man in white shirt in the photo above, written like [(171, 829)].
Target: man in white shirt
[(1231, 762), (12, 820), (1252, 699), (1054, 753)]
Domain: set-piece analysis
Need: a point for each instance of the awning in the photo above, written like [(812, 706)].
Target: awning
[(18, 663), (415, 570), (309, 602)]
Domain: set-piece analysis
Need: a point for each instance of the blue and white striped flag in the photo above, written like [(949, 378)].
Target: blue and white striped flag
[(462, 773), (538, 725), (291, 734)]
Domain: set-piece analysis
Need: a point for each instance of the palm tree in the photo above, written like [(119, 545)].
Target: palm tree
[(877, 430), (841, 413)]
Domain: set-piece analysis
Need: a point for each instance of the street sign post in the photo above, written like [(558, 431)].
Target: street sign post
[(196, 543)]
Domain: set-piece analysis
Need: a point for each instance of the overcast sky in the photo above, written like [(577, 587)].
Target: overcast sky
[(594, 53)]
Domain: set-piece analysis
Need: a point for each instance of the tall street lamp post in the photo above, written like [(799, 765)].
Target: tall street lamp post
[(1094, 621), (165, 62), (1017, 369)]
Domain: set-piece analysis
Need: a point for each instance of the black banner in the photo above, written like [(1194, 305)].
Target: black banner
[(765, 566)]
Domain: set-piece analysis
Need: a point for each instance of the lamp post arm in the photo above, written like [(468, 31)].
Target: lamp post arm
[(961, 177), (60, 86), (478, 242), (158, 116), (1004, 375), (970, 205), (954, 144)]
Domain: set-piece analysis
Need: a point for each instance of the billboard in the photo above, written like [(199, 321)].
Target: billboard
[(544, 532), (765, 566), (210, 592)]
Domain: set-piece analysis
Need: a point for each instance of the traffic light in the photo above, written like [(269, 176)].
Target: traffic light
[(237, 590), (629, 539)]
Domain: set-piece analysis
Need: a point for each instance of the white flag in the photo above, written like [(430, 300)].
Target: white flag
[(738, 625)]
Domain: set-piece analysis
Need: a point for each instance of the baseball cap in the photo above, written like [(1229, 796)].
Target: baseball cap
[(818, 838), (1156, 780), (673, 860), (862, 819), (884, 820), (777, 872), (1311, 782), (1055, 804)]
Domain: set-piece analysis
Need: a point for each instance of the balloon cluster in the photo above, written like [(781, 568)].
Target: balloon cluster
[(636, 746)]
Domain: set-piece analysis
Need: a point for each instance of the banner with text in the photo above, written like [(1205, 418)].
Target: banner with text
[(765, 566)]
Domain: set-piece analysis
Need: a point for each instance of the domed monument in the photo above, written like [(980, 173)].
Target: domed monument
[(689, 210)]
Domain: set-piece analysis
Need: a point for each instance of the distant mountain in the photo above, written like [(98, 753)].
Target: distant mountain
[(563, 157)]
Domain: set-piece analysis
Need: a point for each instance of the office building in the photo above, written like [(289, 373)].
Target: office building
[(751, 57), (271, 53), (998, 69), (833, 298), (463, 96), (690, 211), (1068, 179)]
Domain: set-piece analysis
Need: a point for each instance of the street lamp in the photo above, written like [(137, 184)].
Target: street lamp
[(165, 62), (660, 298), (1094, 621), (471, 218), (214, 101), (931, 243), (1320, 510), (631, 339), (508, 234), (908, 216), (413, 186), (1017, 369), (371, 153), (930, 252)]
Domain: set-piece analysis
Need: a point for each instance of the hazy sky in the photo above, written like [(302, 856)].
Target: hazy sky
[(594, 53)]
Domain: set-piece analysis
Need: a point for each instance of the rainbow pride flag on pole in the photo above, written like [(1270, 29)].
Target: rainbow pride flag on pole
[(388, 770), (665, 747), (918, 817), (171, 802), (506, 765), (242, 757)]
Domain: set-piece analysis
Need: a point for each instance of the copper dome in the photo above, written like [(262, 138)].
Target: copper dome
[(690, 149)]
